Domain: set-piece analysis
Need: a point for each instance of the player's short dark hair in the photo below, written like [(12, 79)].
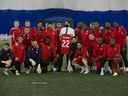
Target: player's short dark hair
[(40, 21)]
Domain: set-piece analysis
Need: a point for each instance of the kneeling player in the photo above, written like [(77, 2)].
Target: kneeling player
[(47, 54), (99, 55), (114, 56), (80, 59), (32, 57), (5, 58)]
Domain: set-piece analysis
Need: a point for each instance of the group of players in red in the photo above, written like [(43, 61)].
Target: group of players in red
[(88, 48)]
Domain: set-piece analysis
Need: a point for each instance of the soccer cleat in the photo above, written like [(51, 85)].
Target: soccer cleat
[(6, 73), (69, 67), (39, 70), (86, 72), (54, 69), (115, 74), (126, 69), (82, 70), (102, 72), (32, 62), (17, 73), (27, 72)]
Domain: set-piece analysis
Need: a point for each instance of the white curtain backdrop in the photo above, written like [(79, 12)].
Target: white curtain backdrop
[(86, 5)]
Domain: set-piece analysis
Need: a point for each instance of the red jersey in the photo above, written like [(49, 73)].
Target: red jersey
[(92, 40), (52, 34), (15, 32), (19, 51), (65, 41), (99, 51), (119, 33), (47, 51), (28, 37), (107, 35), (39, 36), (80, 54), (85, 38), (78, 33), (98, 33), (112, 51)]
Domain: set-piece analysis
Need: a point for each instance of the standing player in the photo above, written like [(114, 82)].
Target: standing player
[(51, 32), (84, 37), (66, 35), (39, 31), (18, 50), (15, 32), (78, 30), (28, 36), (119, 33), (107, 33), (97, 30), (58, 27), (28, 33)]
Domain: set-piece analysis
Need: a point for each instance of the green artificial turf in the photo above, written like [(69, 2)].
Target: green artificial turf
[(63, 84)]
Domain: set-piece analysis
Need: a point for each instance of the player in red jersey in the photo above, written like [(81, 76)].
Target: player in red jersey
[(18, 50), (28, 33), (91, 42), (47, 53), (15, 32), (28, 36), (107, 33), (58, 27), (51, 32), (97, 30), (113, 56), (85, 36), (27, 24), (119, 33), (99, 55), (66, 35), (39, 31), (65, 41), (80, 59), (78, 30)]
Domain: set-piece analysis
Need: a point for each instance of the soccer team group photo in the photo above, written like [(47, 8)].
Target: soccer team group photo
[(63, 47)]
